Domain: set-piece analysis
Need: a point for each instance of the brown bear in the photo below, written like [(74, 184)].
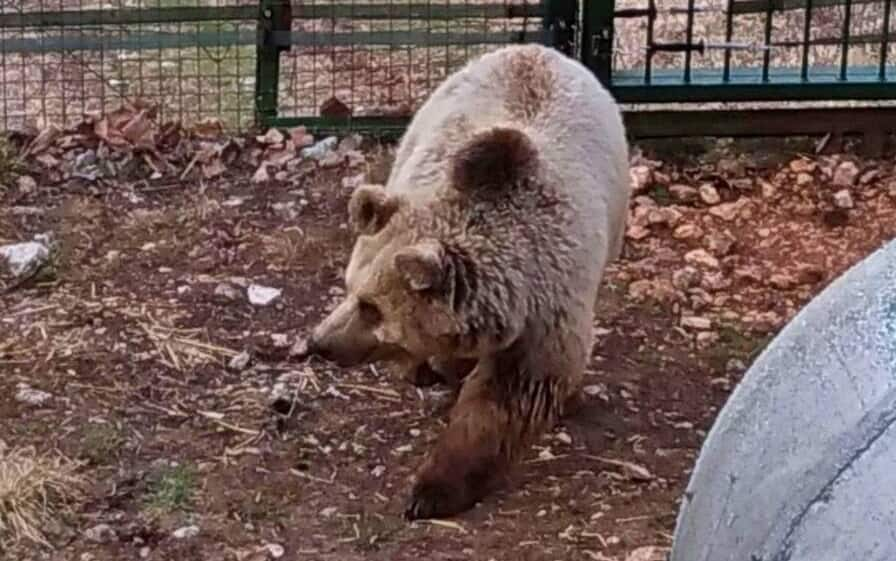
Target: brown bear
[(482, 257)]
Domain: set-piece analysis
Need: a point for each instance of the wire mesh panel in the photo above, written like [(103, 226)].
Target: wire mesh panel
[(367, 60), (187, 59), (740, 50)]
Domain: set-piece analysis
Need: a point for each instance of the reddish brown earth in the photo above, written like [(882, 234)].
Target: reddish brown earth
[(132, 341)]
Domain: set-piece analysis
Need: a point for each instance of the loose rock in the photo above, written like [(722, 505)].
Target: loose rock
[(720, 243), (685, 278), (186, 532), (696, 322), (701, 257), (321, 149), (239, 362), (226, 291), (687, 231), (709, 194), (845, 175), (683, 193), (641, 176), (101, 533), (262, 295), (30, 396), (24, 259), (275, 550), (843, 199)]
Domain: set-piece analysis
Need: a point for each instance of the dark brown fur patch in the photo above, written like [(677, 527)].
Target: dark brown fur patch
[(530, 84), (495, 158)]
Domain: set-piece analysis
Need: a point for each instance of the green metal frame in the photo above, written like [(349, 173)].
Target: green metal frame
[(561, 28)]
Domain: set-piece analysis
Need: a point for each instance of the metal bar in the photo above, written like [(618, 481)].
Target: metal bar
[(765, 122), (597, 38), (689, 39), (445, 11), (844, 47), (885, 41), (667, 124), (137, 42), (746, 84), (402, 38), (766, 56), (127, 16), (651, 23), (130, 42), (274, 16), (807, 37), (177, 14), (729, 34), (560, 21), (759, 6), (631, 13), (853, 40), (377, 126)]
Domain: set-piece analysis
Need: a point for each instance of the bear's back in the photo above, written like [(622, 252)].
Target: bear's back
[(556, 101)]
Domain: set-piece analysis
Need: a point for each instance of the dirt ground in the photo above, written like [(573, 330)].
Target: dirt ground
[(134, 331)]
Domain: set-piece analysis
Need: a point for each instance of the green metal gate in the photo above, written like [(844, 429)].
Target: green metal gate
[(747, 51), (368, 64)]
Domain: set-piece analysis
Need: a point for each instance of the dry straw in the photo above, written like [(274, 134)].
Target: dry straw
[(34, 491)]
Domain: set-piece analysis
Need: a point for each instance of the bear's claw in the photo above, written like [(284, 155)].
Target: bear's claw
[(434, 501)]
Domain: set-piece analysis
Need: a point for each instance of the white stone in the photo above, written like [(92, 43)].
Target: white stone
[(239, 362), (186, 532), (262, 295), (275, 550), (101, 533), (321, 149), (843, 199), (30, 396), (696, 322), (845, 175), (24, 259), (709, 194)]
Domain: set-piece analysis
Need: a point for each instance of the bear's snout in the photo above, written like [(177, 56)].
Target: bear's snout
[(343, 337)]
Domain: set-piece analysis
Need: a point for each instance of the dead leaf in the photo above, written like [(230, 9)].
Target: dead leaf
[(213, 169), (43, 140), (300, 137), (273, 136), (261, 174), (208, 128)]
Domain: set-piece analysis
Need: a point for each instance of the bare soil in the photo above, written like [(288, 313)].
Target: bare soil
[(133, 334)]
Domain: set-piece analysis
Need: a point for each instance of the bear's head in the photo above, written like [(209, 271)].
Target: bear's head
[(411, 282)]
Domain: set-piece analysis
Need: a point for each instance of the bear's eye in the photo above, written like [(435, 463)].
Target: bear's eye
[(369, 312)]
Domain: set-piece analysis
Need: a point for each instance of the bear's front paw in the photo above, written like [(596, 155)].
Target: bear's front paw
[(423, 376), (437, 500)]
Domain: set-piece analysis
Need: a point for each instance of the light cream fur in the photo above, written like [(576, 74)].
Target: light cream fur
[(502, 269)]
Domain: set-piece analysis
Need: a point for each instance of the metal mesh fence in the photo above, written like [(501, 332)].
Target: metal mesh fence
[(194, 59), (773, 42), (60, 59), (383, 59)]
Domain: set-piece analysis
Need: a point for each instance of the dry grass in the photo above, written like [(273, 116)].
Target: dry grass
[(34, 490)]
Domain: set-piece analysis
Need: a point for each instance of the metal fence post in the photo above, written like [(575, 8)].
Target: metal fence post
[(274, 20), (597, 38), (560, 22)]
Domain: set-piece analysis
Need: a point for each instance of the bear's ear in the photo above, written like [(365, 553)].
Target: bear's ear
[(493, 159), (370, 208), (422, 266)]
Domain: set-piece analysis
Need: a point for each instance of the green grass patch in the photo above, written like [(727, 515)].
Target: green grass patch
[(171, 489)]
